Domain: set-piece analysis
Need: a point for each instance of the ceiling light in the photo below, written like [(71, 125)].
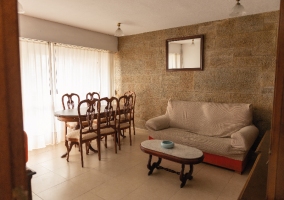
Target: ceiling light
[(20, 8), (118, 32), (238, 10)]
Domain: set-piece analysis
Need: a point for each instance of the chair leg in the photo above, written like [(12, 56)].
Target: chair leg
[(118, 138), (133, 127), (130, 136), (106, 141), (115, 142), (99, 148), (81, 151)]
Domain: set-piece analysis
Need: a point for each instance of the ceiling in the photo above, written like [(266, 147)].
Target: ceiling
[(138, 16)]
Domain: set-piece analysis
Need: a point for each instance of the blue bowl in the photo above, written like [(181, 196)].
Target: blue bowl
[(167, 144)]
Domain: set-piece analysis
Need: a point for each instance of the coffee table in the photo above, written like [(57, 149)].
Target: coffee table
[(182, 154)]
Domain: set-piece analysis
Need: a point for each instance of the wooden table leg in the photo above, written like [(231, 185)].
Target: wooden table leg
[(92, 149), (150, 166), (184, 177)]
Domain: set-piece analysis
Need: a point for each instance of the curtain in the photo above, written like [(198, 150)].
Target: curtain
[(174, 60), (36, 93), (50, 70), (80, 70)]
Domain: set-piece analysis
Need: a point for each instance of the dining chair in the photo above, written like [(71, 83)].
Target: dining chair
[(91, 95), (107, 126), (125, 116), (70, 101), (131, 93), (85, 134)]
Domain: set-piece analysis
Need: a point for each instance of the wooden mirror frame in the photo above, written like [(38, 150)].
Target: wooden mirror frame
[(201, 37)]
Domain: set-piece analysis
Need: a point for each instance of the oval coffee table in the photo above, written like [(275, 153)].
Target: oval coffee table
[(182, 154)]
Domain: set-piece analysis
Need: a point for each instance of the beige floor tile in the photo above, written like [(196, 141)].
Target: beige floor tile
[(91, 179), (39, 169), (46, 181), (63, 191), (72, 170), (138, 195), (231, 191), (159, 186), (89, 196), (192, 194), (35, 197), (114, 190)]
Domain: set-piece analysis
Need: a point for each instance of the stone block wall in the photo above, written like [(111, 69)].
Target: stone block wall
[(239, 66)]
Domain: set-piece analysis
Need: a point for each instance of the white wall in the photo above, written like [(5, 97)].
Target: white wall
[(174, 48), (35, 28)]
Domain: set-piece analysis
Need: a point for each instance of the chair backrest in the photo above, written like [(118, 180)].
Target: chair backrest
[(126, 108), (91, 95), (108, 112), (88, 114), (68, 101), (131, 93)]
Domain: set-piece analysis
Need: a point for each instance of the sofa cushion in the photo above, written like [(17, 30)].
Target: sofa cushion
[(208, 118), (212, 145), (158, 123), (244, 138)]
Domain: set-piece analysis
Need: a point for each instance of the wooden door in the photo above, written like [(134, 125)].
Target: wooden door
[(275, 179), (13, 181)]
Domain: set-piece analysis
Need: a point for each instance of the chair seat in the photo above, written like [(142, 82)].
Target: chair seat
[(106, 131), (76, 135), (124, 125), (85, 123), (72, 125)]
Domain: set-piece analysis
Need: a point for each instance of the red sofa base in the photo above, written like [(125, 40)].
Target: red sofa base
[(236, 165), (221, 161)]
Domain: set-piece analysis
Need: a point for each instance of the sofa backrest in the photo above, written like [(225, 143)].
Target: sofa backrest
[(208, 118)]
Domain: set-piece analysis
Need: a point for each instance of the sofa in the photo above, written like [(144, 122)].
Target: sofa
[(223, 131)]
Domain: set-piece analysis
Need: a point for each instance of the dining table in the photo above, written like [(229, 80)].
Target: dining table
[(71, 115)]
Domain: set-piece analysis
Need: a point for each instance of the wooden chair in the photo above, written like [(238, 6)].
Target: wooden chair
[(125, 116), (85, 134), (91, 95), (70, 101), (131, 93), (107, 126)]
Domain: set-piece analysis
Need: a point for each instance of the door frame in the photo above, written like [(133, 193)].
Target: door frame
[(13, 182)]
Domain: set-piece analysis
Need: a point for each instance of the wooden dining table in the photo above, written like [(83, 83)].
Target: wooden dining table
[(71, 115)]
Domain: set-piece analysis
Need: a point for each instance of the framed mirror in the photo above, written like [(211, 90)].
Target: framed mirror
[(185, 53)]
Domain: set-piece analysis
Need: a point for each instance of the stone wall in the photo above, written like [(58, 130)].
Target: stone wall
[(239, 66)]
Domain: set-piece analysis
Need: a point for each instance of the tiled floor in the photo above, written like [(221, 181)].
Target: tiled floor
[(124, 176)]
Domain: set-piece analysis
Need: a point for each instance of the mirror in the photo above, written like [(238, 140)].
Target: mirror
[(185, 53)]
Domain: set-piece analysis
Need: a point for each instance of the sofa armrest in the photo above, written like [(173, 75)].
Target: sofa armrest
[(244, 138), (158, 123)]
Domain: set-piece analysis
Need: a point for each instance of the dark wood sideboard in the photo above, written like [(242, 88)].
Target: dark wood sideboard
[(256, 185), (30, 174)]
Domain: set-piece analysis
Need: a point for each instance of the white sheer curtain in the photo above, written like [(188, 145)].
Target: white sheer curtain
[(174, 60), (36, 93), (50, 70), (80, 70)]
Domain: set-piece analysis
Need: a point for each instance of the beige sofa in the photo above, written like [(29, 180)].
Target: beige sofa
[(224, 132)]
